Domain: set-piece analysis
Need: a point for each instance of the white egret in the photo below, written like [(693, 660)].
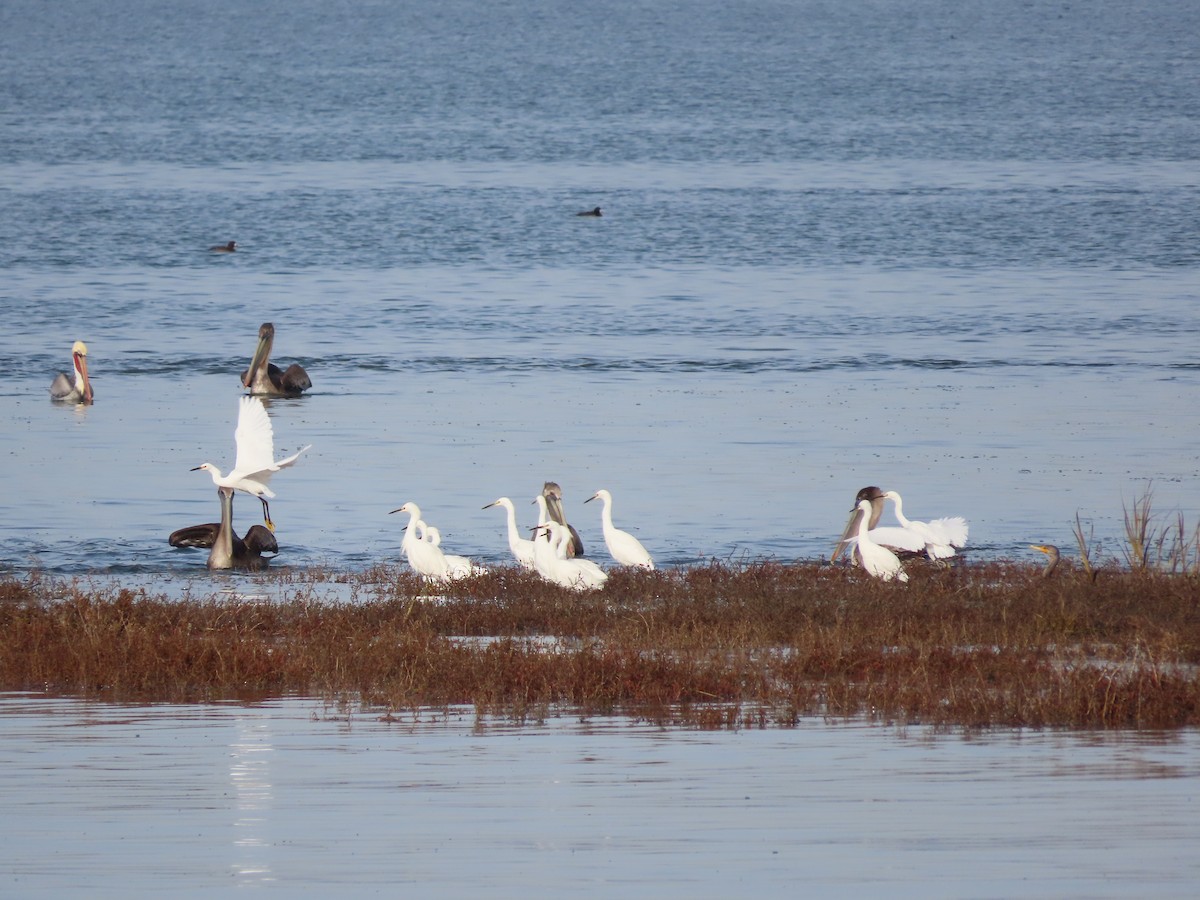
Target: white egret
[(255, 461), (623, 546), (522, 548), (265, 378), (554, 509), (456, 566), (939, 536), (583, 572), (78, 390), (553, 567), (879, 561), (850, 532), (426, 558)]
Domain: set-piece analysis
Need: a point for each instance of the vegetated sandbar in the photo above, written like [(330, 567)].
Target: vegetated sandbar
[(717, 645)]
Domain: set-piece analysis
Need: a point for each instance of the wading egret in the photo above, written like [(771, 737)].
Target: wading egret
[(623, 546), (456, 566), (426, 558), (79, 390), (850, 532), (255, 461), (522, 548), (554, 509), (939, 536), (877, 560), (266, 378), (583, 571)]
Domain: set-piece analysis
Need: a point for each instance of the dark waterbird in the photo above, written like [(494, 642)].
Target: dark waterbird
[(231, 247), (1052, 557), (264, 377), (591, 212), (228, 551), (554, 509), (79, 390)]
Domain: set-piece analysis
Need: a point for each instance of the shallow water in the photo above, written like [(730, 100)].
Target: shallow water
[(950, 250), (297, 796)]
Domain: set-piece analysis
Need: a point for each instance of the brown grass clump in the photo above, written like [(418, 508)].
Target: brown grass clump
[(711, 646)]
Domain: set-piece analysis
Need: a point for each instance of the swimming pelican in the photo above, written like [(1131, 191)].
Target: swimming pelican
[(522, 548), (255, 461), (1053, 557), (228, 550), (876, 559), (939, 536), (264, 377), (591, 212), (425, 558), (623, 546), (80, 391), (553, 494), (456, 566), (224, 248)]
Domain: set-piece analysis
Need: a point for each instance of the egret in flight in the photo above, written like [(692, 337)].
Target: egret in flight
[(623, 546), (63, 389), (522, 548), (554, 509), (266, 378), (876, 559), (255, 461), (228, 551), (939, 537)]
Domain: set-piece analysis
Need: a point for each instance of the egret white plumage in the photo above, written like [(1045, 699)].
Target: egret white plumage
[(265, 378), (426, 558), (622, 546), (557, 568), (255, 461), (584, 572), (879, 561), (522, 548), (456, 566), (850, 532), (79, 389), (939, 537)]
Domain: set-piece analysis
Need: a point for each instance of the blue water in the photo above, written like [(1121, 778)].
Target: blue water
[(946, 248)]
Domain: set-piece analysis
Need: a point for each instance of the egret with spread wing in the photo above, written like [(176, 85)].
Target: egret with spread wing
[(255, 461)]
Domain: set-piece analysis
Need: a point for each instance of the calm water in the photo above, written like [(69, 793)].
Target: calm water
[(298, 797), (946, 248)]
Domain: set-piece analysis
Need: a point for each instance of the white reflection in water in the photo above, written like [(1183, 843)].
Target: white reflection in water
[(250, 774), (121, 800)]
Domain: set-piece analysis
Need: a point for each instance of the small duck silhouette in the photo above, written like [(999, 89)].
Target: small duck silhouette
[(591, 212), (231, 247)]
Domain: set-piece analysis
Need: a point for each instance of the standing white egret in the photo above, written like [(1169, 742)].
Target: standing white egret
[(255, 461), (554, 509), (850, 532), (877, 560), (623, 546), (939, 537), (426, 558), (78, 390), (554, 567), (522, 548), (894, 537), (582, 572), (456, 566)]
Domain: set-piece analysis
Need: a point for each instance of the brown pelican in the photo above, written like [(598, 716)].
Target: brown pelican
[(874, 496), (255, 462), (228, 550), (878, 560), (554, 510), (591, 212), (1053, 557), (231, 247), (623, 546), (80, 391), (264, 377)]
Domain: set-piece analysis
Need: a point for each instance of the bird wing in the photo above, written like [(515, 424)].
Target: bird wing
[(951, 530), (62, 386), (895, 537), (255, 439)]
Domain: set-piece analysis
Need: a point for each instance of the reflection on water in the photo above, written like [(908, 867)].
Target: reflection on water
[(120, 800)]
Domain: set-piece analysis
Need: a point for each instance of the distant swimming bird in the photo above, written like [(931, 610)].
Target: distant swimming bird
[(264, 377), (228, 551), (224, 248), (879, 561), (591, 212), (255, 462), (940, 536), (522, 548), (554, 509), (1052, 560), (623, 546), (63, 389)]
